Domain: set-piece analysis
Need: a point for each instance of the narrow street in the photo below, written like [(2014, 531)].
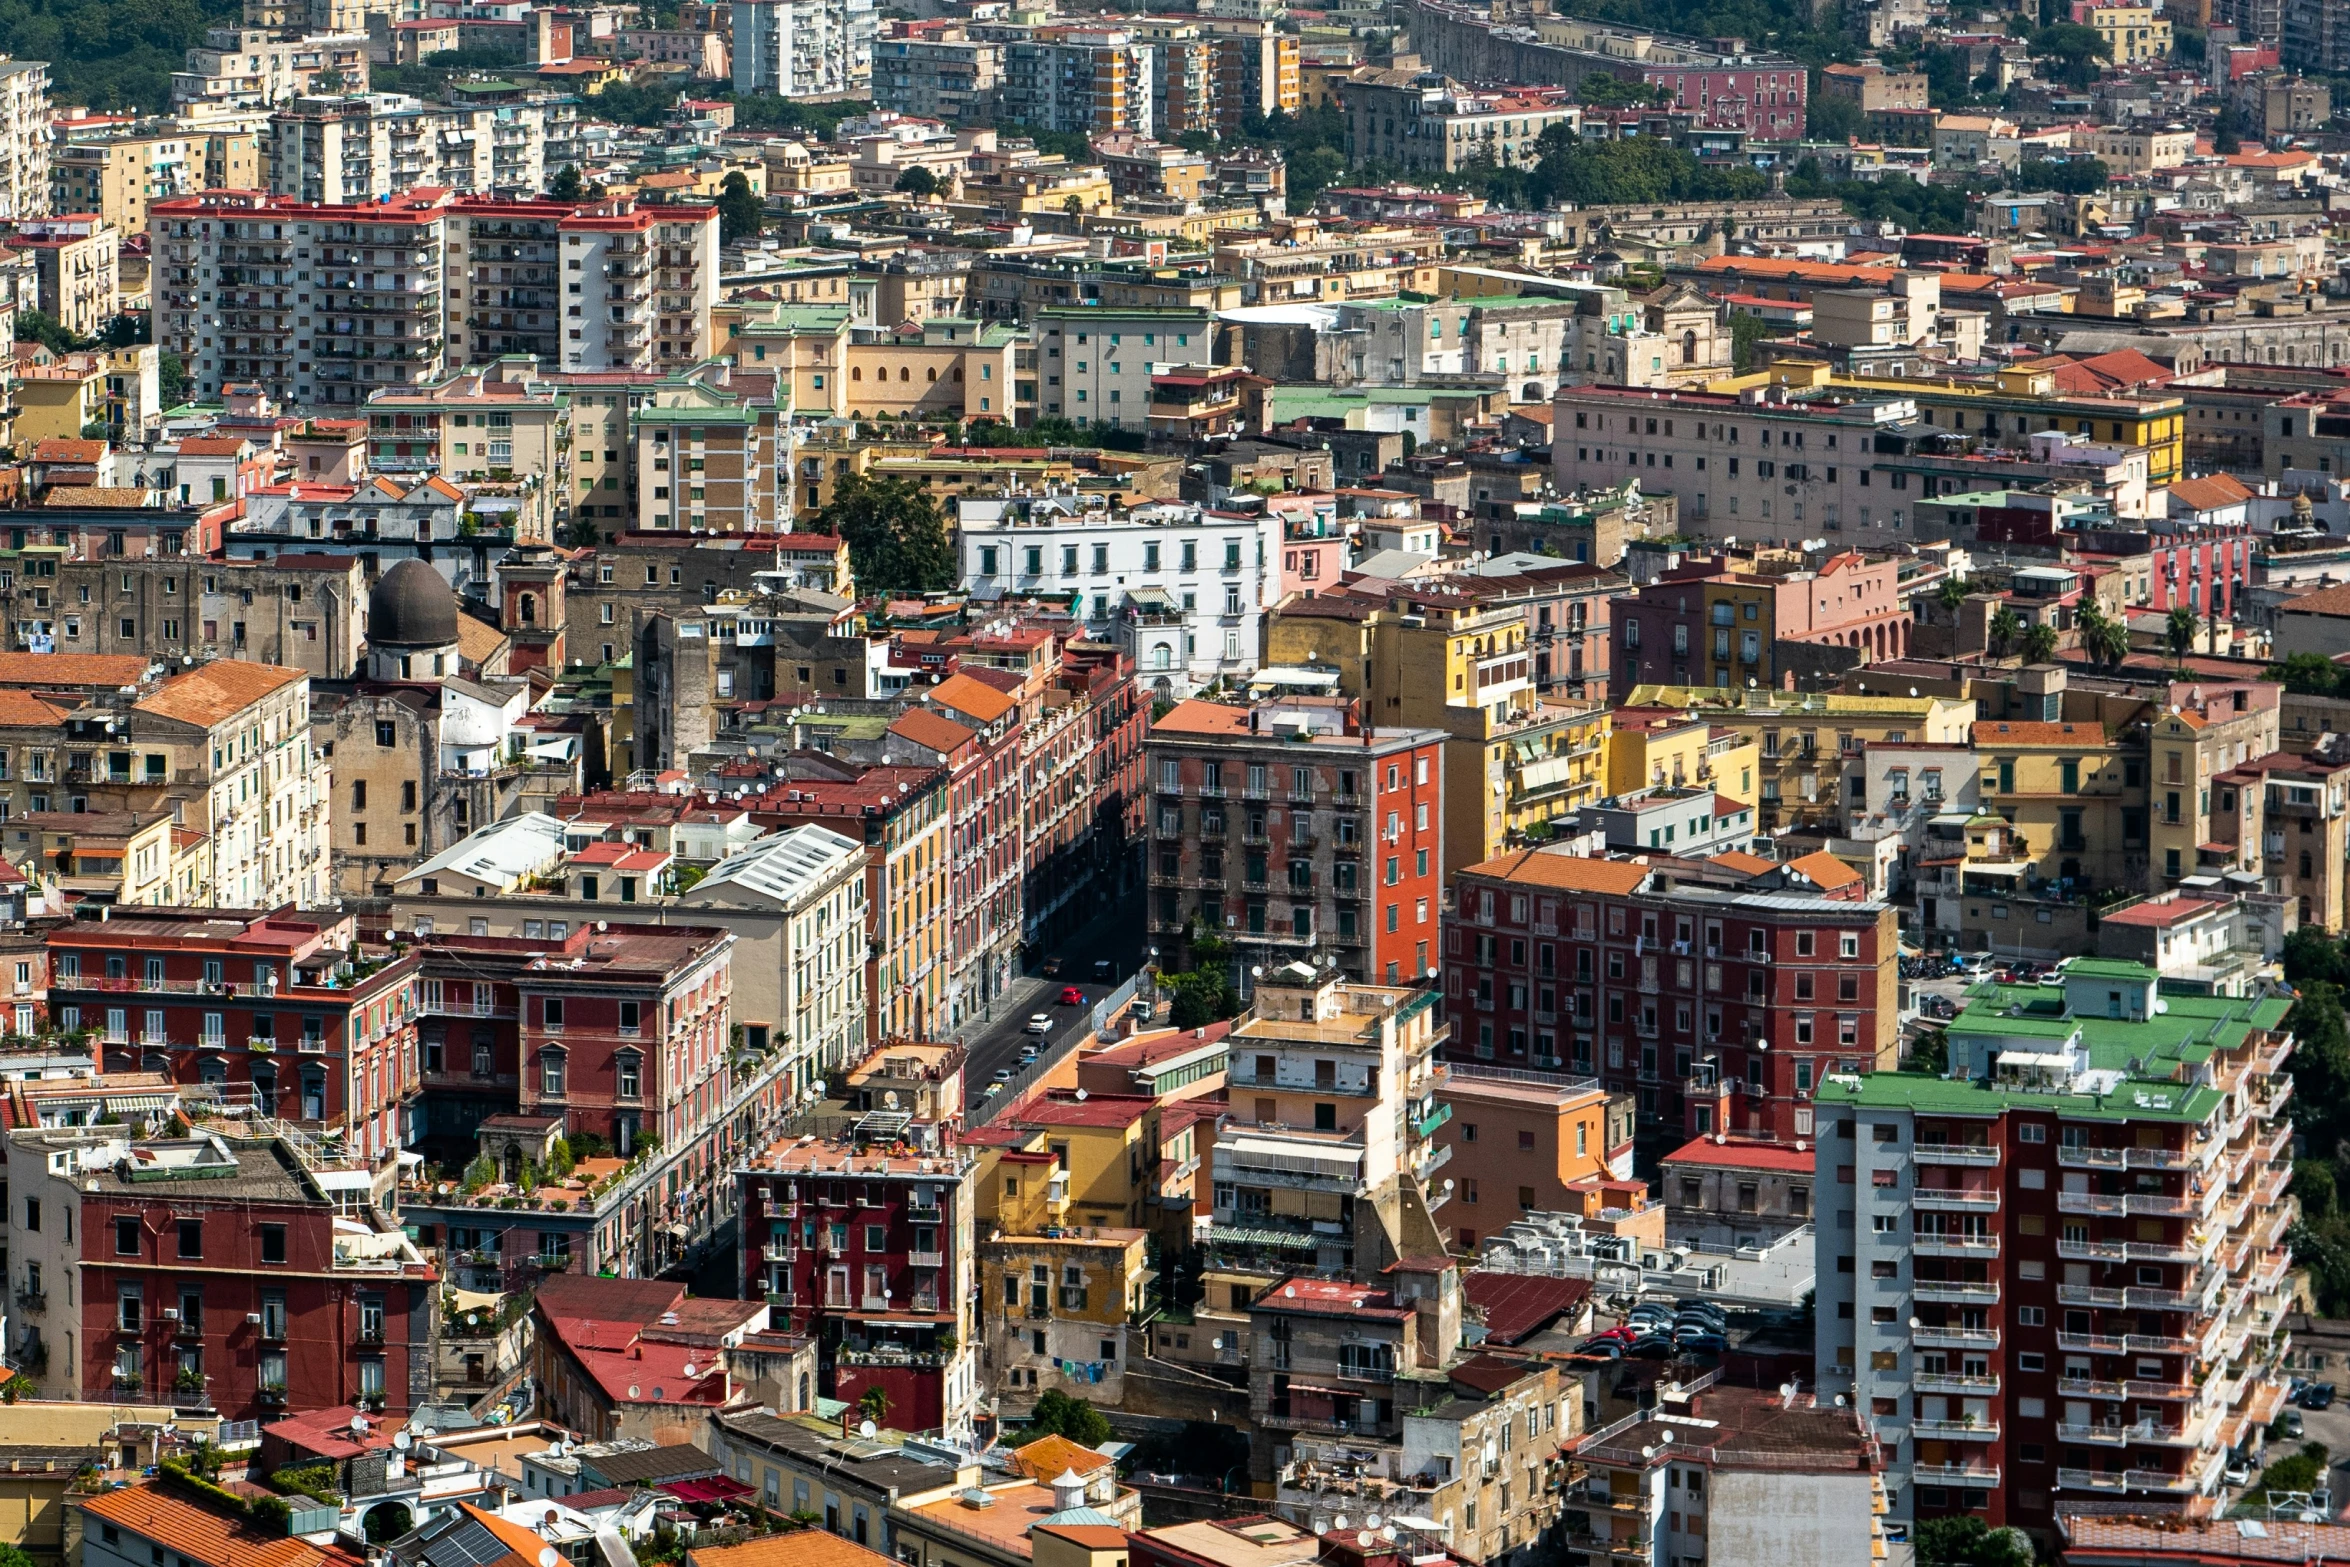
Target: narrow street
[(995, 1042)]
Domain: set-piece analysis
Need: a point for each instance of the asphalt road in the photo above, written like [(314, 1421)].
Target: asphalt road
[(995, 1044)]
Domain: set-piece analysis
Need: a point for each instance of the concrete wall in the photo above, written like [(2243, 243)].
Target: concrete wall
[(1759, 1518)]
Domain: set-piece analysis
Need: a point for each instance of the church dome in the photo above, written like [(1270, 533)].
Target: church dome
[(412, 606)]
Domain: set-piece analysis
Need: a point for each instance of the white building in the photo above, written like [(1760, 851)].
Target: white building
[(815, 879), (1184, 588), (348, 148), (1096, 361), (639, 286), (24, 138), (252, 68), (795, 48)]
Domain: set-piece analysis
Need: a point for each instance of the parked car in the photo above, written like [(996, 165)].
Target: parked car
[(1626, 1335), (2318, 1395), (1071, 996), (2287, 1424), (1612, 1348), (1104, 971), (1040, 1023), (1050, 968), (992, 1090), (1700, 1343), (1655, 1347), (1003, 1074)]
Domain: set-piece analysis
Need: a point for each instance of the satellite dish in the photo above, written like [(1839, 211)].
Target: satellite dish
[(358, 1425), (889, 1100), (867, 1429), (635, 1391), (1371, 1522), (547, 1556), (402, 1440), (1081, 1096), (1216, 1343), (1366, 1539), (689, 1371), (1338, 1522)]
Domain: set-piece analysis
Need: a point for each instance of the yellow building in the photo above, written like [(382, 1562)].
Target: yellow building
[(2131, 32), (120, 857), (117, 178), (2066, 793), (1100, 1158), (61, 398), (1451, 658), (1648, 750), (1057, 1299), (1800, 738)]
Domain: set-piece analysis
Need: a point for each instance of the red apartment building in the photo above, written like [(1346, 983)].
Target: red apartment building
[(975, 730), (208, 1273), (267, 1007), (865, 1244), (1723, 1009), (1289, 829), (624, 1032)]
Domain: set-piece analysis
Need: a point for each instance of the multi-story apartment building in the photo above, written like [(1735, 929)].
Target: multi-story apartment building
[(1717, 1473), (973, 731), (871, 1250), (1182, 588), (1293, 831), (1729, 622), (226, 300), (1096, 362), (1723, 1009), (1329, 1355), (268, 1011), (948, 78), (505, 269), (1061, 1300), (2064, 1273), (815, 879), (1333, 1089), (651, 276), (1456, 656), (487, 423), (1185, 77), (2282, 817), (237, 1274), (259, 68), (1802, 741), (903, 817), (1093, 81), (358, 147), (1520, 1141), (76, 268), (800, 48), (116, 177), (1434, 124), (24, 138)]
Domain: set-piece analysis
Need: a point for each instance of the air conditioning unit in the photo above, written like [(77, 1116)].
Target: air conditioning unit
[(253, 1318)]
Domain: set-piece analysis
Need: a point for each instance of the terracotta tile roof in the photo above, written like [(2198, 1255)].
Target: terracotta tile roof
[(2210, 494), (2325, 601), (933, 730), (1751, 864), (23, 710), (2003, 732), (112, 497), (806, 1548), (1824, 870), (59, 448), (201, 1535), (523, 1544), (1203, 718), (213, 692), (62, 671), (1569, 872), (1049, 1457), (213, 446), (966, 695)]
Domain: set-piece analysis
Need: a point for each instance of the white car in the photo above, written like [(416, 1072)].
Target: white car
[(1040, 1023)]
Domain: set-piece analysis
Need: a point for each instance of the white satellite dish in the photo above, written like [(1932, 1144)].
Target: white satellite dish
[(1338, 1522), (547, 1556), (358, 1425), (1081, 1096), (402, 1441), (867, 1429), (635, 1391), (1366, 1539), (689, 1370)]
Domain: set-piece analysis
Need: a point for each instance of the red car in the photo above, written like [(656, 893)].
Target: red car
[(1071, 996)]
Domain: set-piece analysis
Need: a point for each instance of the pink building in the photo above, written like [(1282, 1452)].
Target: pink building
[(1764, 99)]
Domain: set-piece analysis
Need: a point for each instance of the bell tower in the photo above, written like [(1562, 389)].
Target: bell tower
[(530, 607)]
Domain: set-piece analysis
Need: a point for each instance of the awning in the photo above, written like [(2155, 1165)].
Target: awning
[(718, 1488), (1251, 1235), (118, 1104)]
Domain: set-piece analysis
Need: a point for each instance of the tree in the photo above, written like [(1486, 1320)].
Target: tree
[(874, 1405), (2039, 644), (740, 214), (1057, 1414), (2227, 130), (1830, 118), (1969, 1542), (2179, 631), (2004, 629), (2072, 176), (919, 183), (38, 326), (896, 535), (1603, 90), (566, 185), (2315, 955), (1746, 331), (1952, 597), (2113, 643), (2307, 674), (2074, 49)]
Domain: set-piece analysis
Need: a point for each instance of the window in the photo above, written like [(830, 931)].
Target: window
[(551, 1065), (126, 1237), (191, 1238), (273, 1244)]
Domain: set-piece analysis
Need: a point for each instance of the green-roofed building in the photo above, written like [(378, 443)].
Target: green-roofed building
[(2055, 1272)]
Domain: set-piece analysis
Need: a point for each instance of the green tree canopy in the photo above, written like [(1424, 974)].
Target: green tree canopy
[(2039, 644), (2074, 50), (2308, 674), (1969, 1542), (1057, 1414), (896, 535), (919, 183), (566, 185), (740, 214), (2071, 176)]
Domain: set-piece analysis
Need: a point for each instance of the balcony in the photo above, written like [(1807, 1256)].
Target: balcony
[(1928, 1244), (1954, 1153), (1954, 1338), (1951, 1200), (1956, 1294), (1980, 1476), (1951, 1382), (1956, 1430), (926, 1259), (2091, 1387), (2093, 1435)]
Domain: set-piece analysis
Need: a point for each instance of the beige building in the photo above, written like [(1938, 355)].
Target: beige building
[(498, 422), (77, 269), (116, 177), (2127, 149)]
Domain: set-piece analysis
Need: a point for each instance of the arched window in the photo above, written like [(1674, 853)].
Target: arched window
[(856, 372), (1689, 346), (530, 609)]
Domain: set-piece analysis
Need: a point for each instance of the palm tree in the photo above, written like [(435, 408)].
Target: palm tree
[(1952, 595), (2113, 643), (2004, 628), (2179, 631), (2039, 644)]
